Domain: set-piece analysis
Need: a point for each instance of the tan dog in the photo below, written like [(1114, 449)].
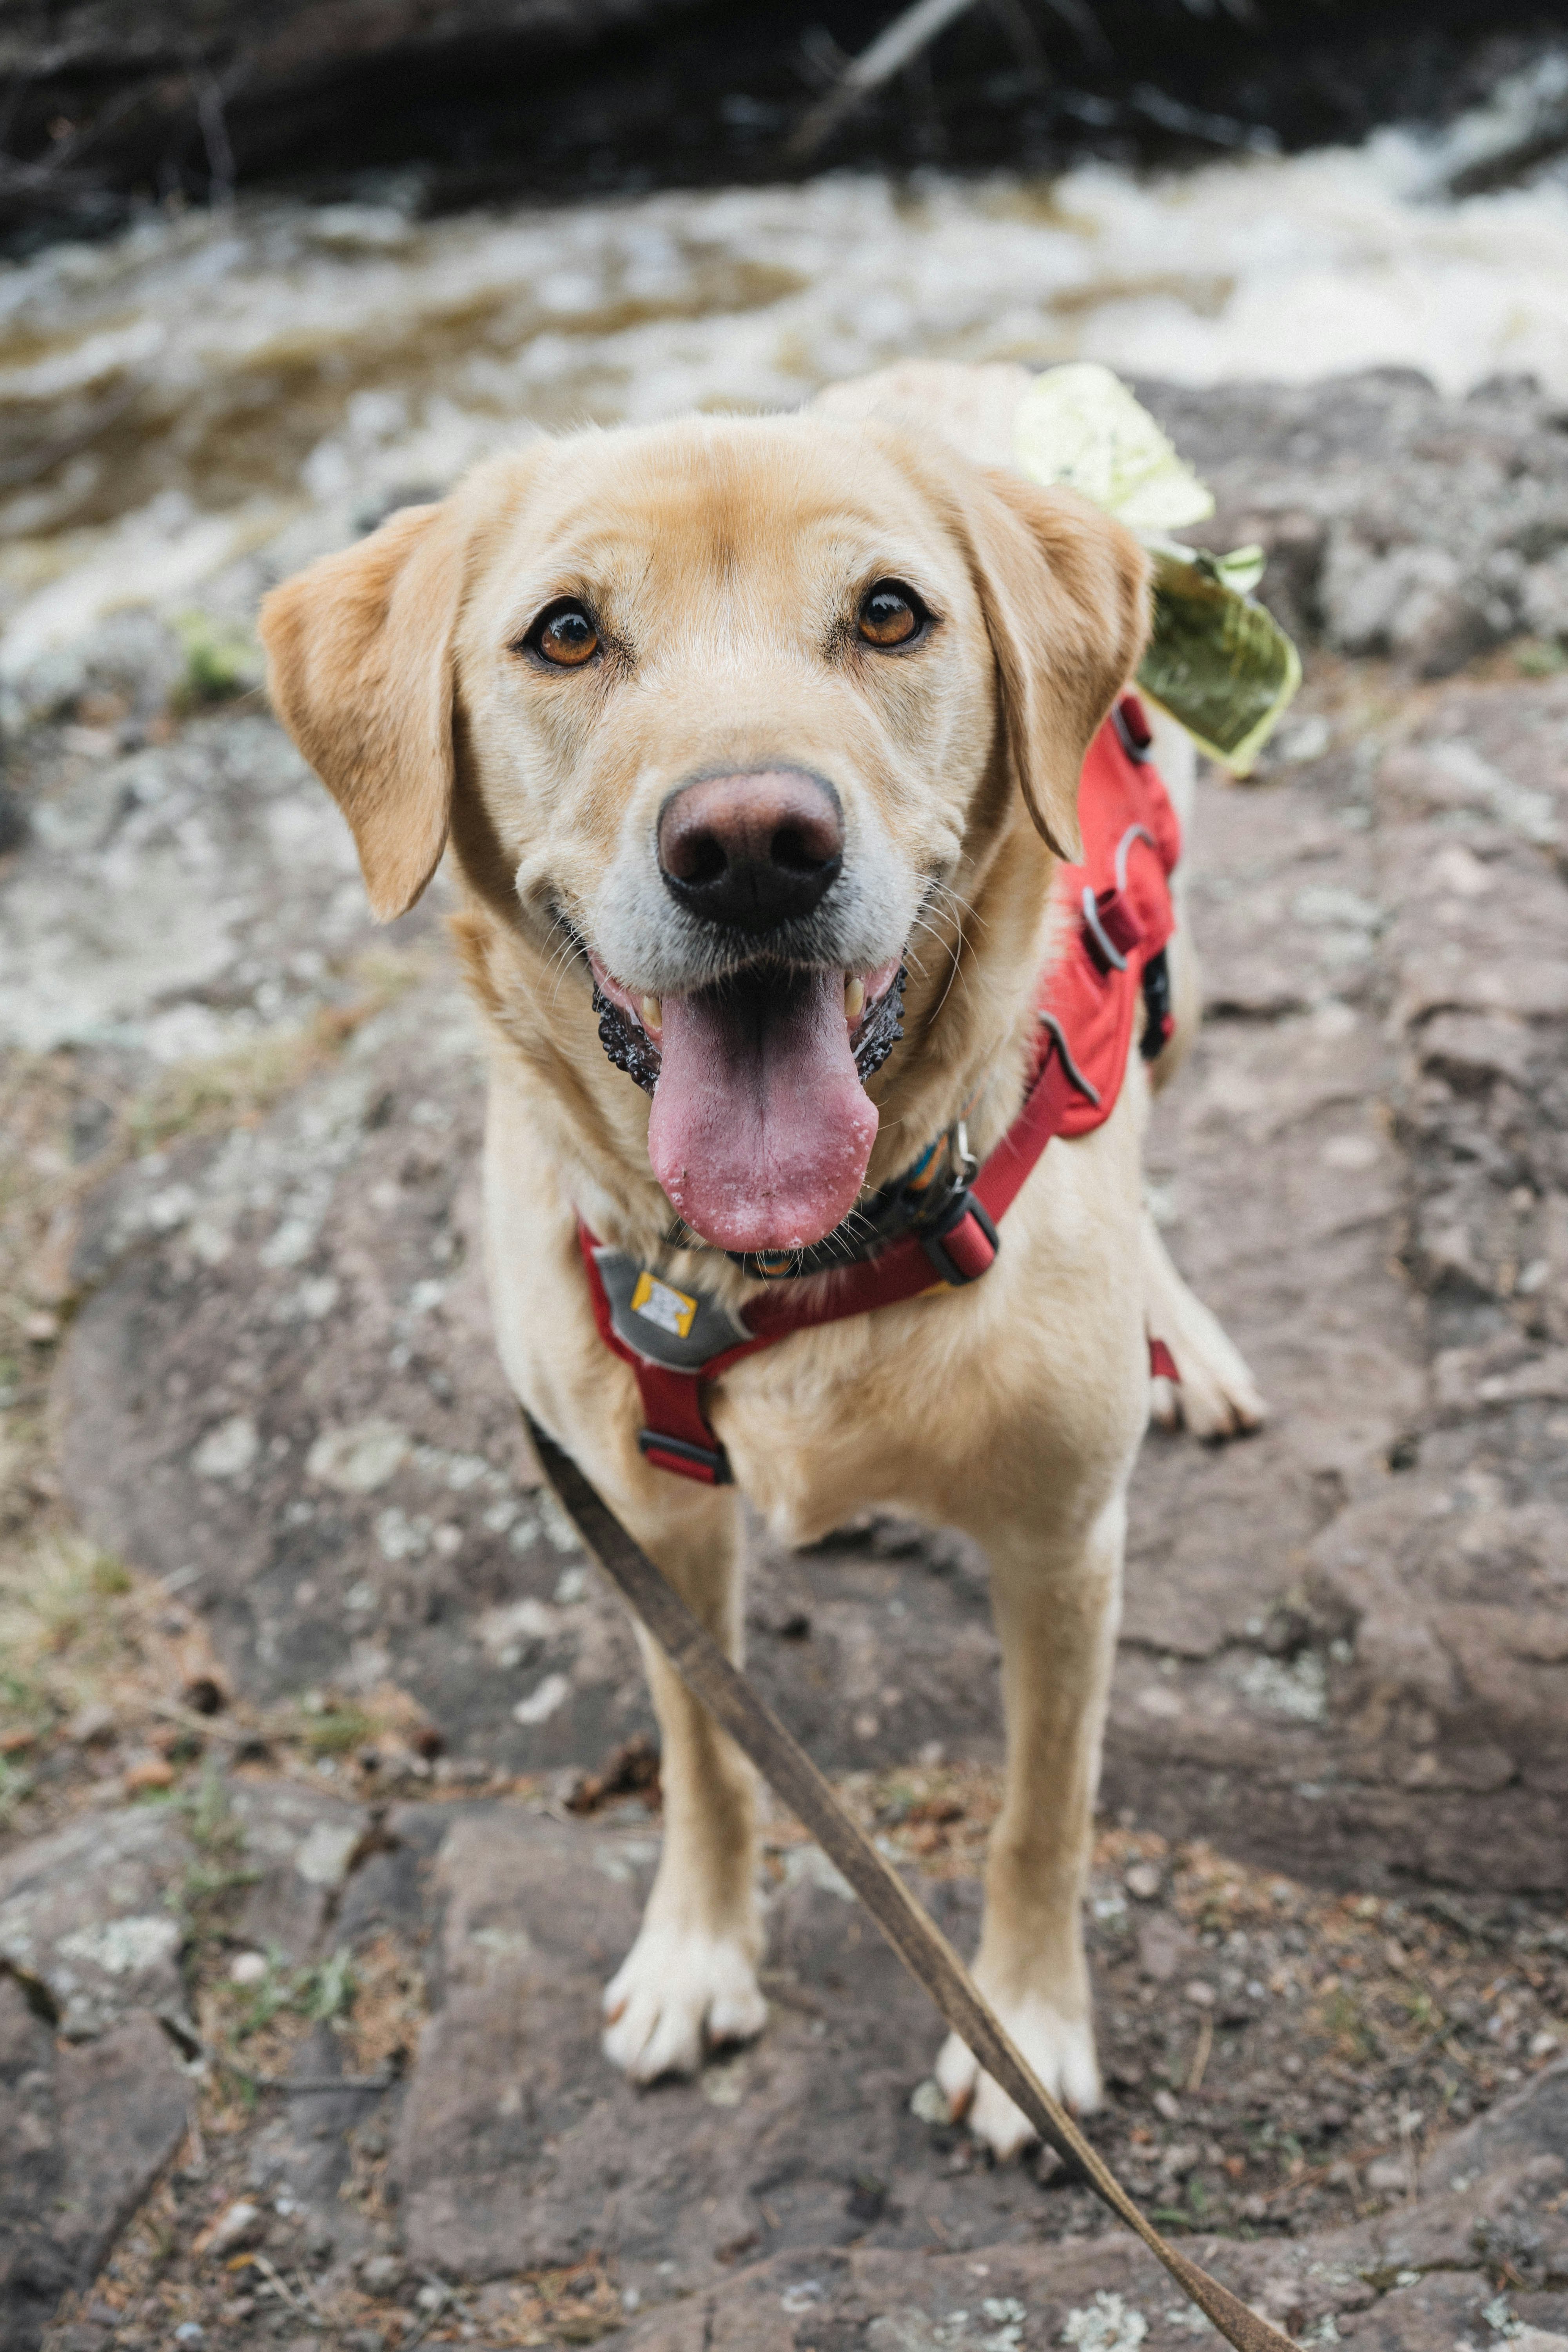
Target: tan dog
[(728, 716)]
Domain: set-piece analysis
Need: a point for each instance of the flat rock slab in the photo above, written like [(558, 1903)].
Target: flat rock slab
[(1348, 1640), (1416, 2282), (510, 2146), (807, 2138), (798, 2192)]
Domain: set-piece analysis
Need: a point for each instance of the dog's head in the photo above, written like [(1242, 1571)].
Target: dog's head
[(726, 703)]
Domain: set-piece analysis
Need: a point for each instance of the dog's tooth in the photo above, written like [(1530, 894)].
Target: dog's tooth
[(854, 999), (652, 1013)]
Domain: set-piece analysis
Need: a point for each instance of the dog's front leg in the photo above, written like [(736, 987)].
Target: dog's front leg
[(1057, 1605), (689, 1979)]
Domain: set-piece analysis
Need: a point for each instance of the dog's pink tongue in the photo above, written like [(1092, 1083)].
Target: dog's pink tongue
[(761, 1131)]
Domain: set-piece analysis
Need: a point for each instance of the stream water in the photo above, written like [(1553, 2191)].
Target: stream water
[(179, 394)]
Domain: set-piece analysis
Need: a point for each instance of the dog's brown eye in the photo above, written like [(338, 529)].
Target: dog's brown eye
[(891, 614), (566, 635)]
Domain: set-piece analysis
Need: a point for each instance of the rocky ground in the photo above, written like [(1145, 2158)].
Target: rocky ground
[(324, 1762)]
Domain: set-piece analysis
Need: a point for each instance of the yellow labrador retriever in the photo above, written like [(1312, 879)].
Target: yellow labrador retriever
[(730, 724)]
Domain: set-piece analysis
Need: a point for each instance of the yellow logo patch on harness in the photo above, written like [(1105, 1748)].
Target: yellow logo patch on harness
[(662, 1304)]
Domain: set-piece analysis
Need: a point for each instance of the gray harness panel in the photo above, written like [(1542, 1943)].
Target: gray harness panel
[(678, 1328)]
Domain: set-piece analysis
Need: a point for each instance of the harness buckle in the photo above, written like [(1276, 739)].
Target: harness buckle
[(708, 1465), (964, 1244), (1110, 929)]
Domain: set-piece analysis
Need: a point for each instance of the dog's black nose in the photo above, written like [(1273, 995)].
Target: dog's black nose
[(751, 852)]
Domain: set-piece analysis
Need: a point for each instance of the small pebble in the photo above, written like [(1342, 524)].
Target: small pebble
[(1200, 1995), (1144, 1881), (1165, 2104), (148, 1772), (190, 2331), (240, 2225), (247, 1967)]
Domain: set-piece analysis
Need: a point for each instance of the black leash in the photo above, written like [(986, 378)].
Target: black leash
[(919, 1943)]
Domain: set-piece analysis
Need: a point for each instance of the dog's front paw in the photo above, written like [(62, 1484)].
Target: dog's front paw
[(676, 1995), (1060, 2049)]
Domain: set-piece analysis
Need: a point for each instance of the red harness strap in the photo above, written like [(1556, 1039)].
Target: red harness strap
[(1088, 1005)]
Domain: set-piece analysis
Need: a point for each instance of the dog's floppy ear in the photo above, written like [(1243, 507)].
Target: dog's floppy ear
[(1065, 592), (360, 668)]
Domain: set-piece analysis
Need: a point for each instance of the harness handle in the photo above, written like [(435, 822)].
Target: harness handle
[(918, 1941)]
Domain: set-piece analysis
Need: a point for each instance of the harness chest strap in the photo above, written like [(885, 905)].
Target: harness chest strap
[(1087, 1008)]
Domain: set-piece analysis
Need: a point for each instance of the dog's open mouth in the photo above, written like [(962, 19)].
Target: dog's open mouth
[(760, 1128)]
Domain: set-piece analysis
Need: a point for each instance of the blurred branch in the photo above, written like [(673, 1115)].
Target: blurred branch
[(894, 48)]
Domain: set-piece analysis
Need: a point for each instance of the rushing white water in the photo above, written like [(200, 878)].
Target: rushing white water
[(177, 395)]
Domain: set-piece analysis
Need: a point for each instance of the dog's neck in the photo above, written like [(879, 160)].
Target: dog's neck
[(973, 964)]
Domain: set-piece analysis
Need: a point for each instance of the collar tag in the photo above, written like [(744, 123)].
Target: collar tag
[(678, 1328), (661, 1303)]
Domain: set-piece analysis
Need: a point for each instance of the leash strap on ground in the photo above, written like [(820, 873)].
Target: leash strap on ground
[(919, 1944)]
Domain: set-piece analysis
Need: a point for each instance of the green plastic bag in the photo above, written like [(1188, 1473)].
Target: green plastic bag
[(1217, 661)]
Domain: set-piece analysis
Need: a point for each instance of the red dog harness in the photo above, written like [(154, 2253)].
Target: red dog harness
[(1088, 1005)]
